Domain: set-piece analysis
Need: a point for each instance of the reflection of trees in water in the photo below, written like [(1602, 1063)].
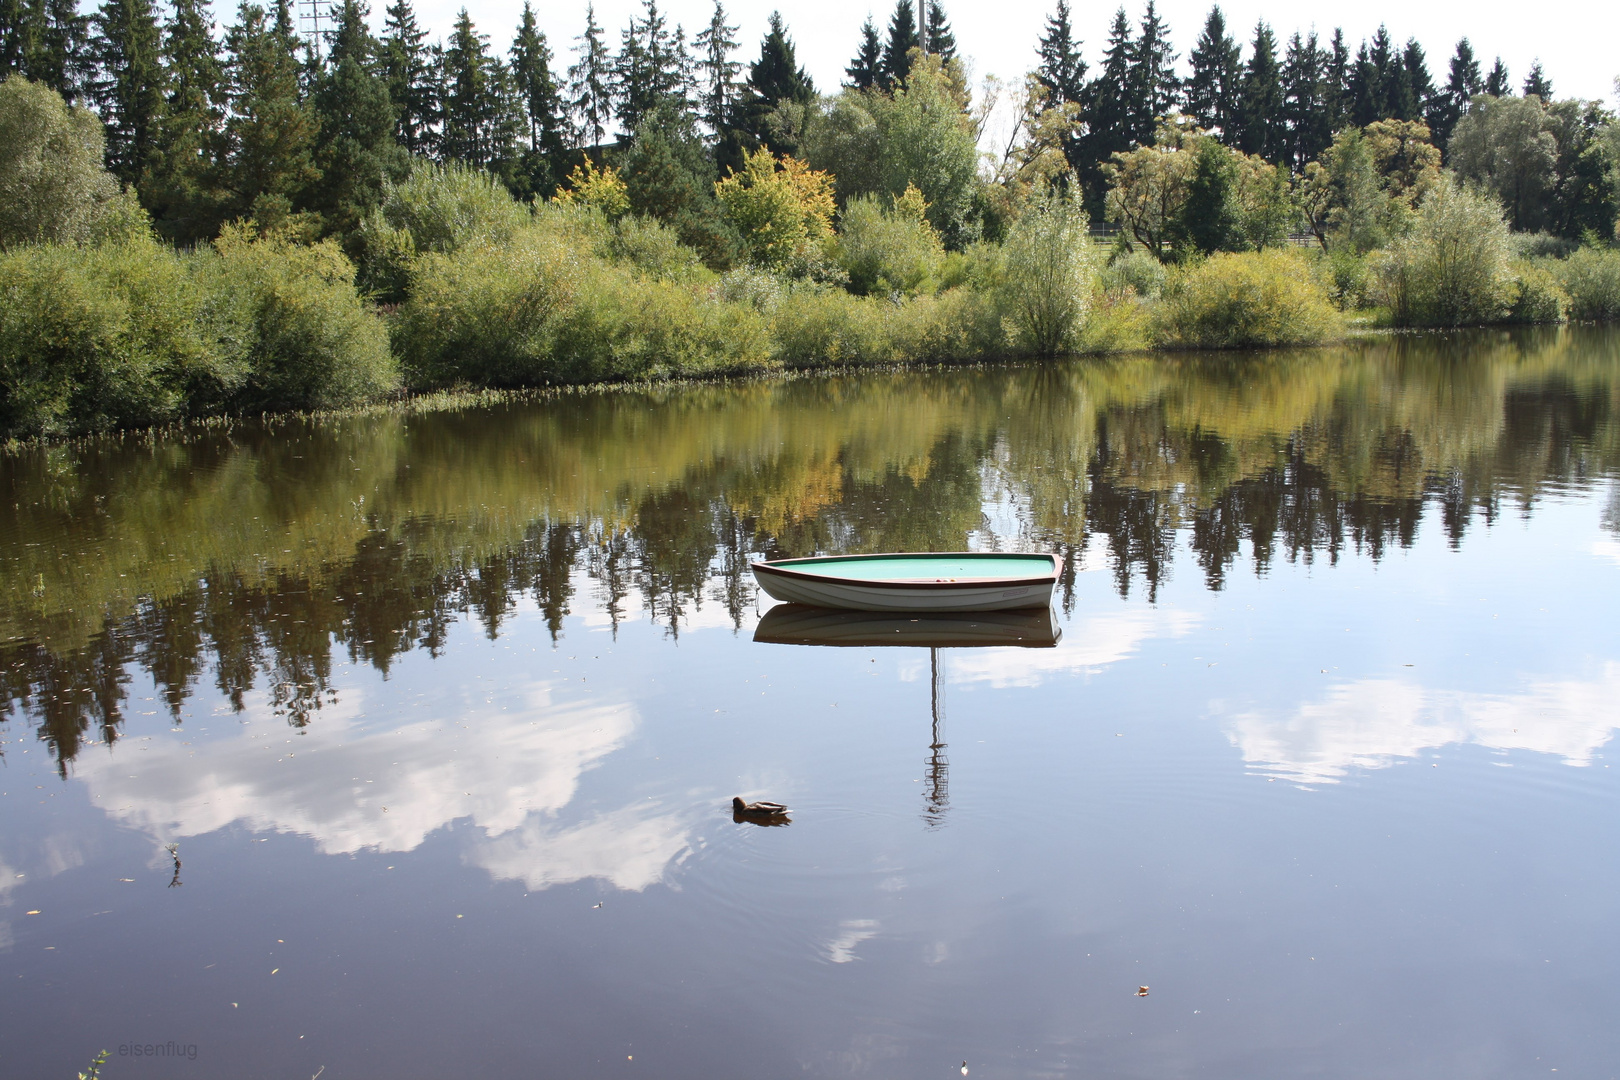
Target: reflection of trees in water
[(249, 559)]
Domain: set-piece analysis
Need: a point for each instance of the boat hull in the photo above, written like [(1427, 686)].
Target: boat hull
[(784, 581)]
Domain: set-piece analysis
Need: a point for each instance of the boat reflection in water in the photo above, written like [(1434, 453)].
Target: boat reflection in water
[(796, 624)]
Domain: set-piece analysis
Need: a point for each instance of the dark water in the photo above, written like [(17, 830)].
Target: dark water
[(443, 714)]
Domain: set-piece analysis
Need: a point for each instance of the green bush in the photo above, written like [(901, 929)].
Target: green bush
[(1591, 277), (888, 250), (1537, 295), (537, 310), (98, 338), (438, 208), (1048, 275), (1133, 271), (1348, 278), (1455, 267), (1259, 298), (310, 341)]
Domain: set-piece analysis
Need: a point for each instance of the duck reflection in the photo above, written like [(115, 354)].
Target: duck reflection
[(796, 624)]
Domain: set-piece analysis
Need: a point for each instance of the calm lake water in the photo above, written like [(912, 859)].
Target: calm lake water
[(442, 715)]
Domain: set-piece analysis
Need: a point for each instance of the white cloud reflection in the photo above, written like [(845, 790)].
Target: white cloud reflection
[(1371, 723), (1088, 645), (351, 787)]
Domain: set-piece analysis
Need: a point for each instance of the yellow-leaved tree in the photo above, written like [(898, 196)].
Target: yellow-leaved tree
[(601, 189), (781, 207)]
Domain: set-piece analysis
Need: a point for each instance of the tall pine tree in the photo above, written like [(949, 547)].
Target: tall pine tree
[(717, 71), (1304, 89), (1107, 113), (1418, 90), (1498, 83), (774, 78), (903, 37), (130, 84), (180, 190), (590, 82), (1537, 83), (865, 70), (1153, 90), (1061, 72), (407, 65), (269, 138), (1463, 83), (1212, 91), (1262, 128), (355, 151), (939, 40), (542, 106), (650, 68)]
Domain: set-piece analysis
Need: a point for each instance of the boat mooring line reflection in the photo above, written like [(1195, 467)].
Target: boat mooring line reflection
[(796, 624)]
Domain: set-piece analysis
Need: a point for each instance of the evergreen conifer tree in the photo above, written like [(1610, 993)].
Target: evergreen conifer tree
[(407, 66), (269, 137), (865, 70), (590, 82), (50, 42), (180, 191), (355, 151), (1419, 86), (1537, 83), (717, 71), (1463, 83), (1304, 87), (903, 37), (1107, 113), (130, 84), (650, 68), (1336, 96), (1212, 91), (470, 103), (1367, 89), (1497, 83), (1262, 128), (939, 40), (17, 28), (1153, 89), (1061, 72)]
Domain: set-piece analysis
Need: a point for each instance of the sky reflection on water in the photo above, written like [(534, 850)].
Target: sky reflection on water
[(445, 712)]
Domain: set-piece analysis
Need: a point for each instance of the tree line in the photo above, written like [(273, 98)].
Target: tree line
[(269, 123)]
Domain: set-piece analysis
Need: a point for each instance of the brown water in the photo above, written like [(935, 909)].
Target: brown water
[(443, 714)]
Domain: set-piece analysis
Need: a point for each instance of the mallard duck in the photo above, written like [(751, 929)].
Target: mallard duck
[(761, 808)]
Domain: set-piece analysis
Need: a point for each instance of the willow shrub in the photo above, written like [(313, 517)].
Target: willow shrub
[(1047, 275), (1455, 267), (102, 337), (305, 338), (538, 309), (1538, 296), (1591, 277), (1257, 298)]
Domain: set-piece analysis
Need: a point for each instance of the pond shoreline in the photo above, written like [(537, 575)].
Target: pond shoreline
[(408, 402)]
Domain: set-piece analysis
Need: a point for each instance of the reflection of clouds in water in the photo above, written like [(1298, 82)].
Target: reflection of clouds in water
[(851, 932), (1088, 645), (630, 848), (1607, 547), (505, 770), (1370, 723)]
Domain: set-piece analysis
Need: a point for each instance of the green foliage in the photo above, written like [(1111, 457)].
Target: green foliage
[(1348, 277), (104, 337), (537, 309), (311, 343), (888, 250), (438, 208), (1591, 277), (1211, 219), (52, 185), (1230, 301), (1454, 268), (1048, 274), (1538, 297), (921, 136), (1134, 272)]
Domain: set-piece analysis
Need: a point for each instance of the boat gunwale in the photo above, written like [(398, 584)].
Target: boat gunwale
[(784, 568)]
